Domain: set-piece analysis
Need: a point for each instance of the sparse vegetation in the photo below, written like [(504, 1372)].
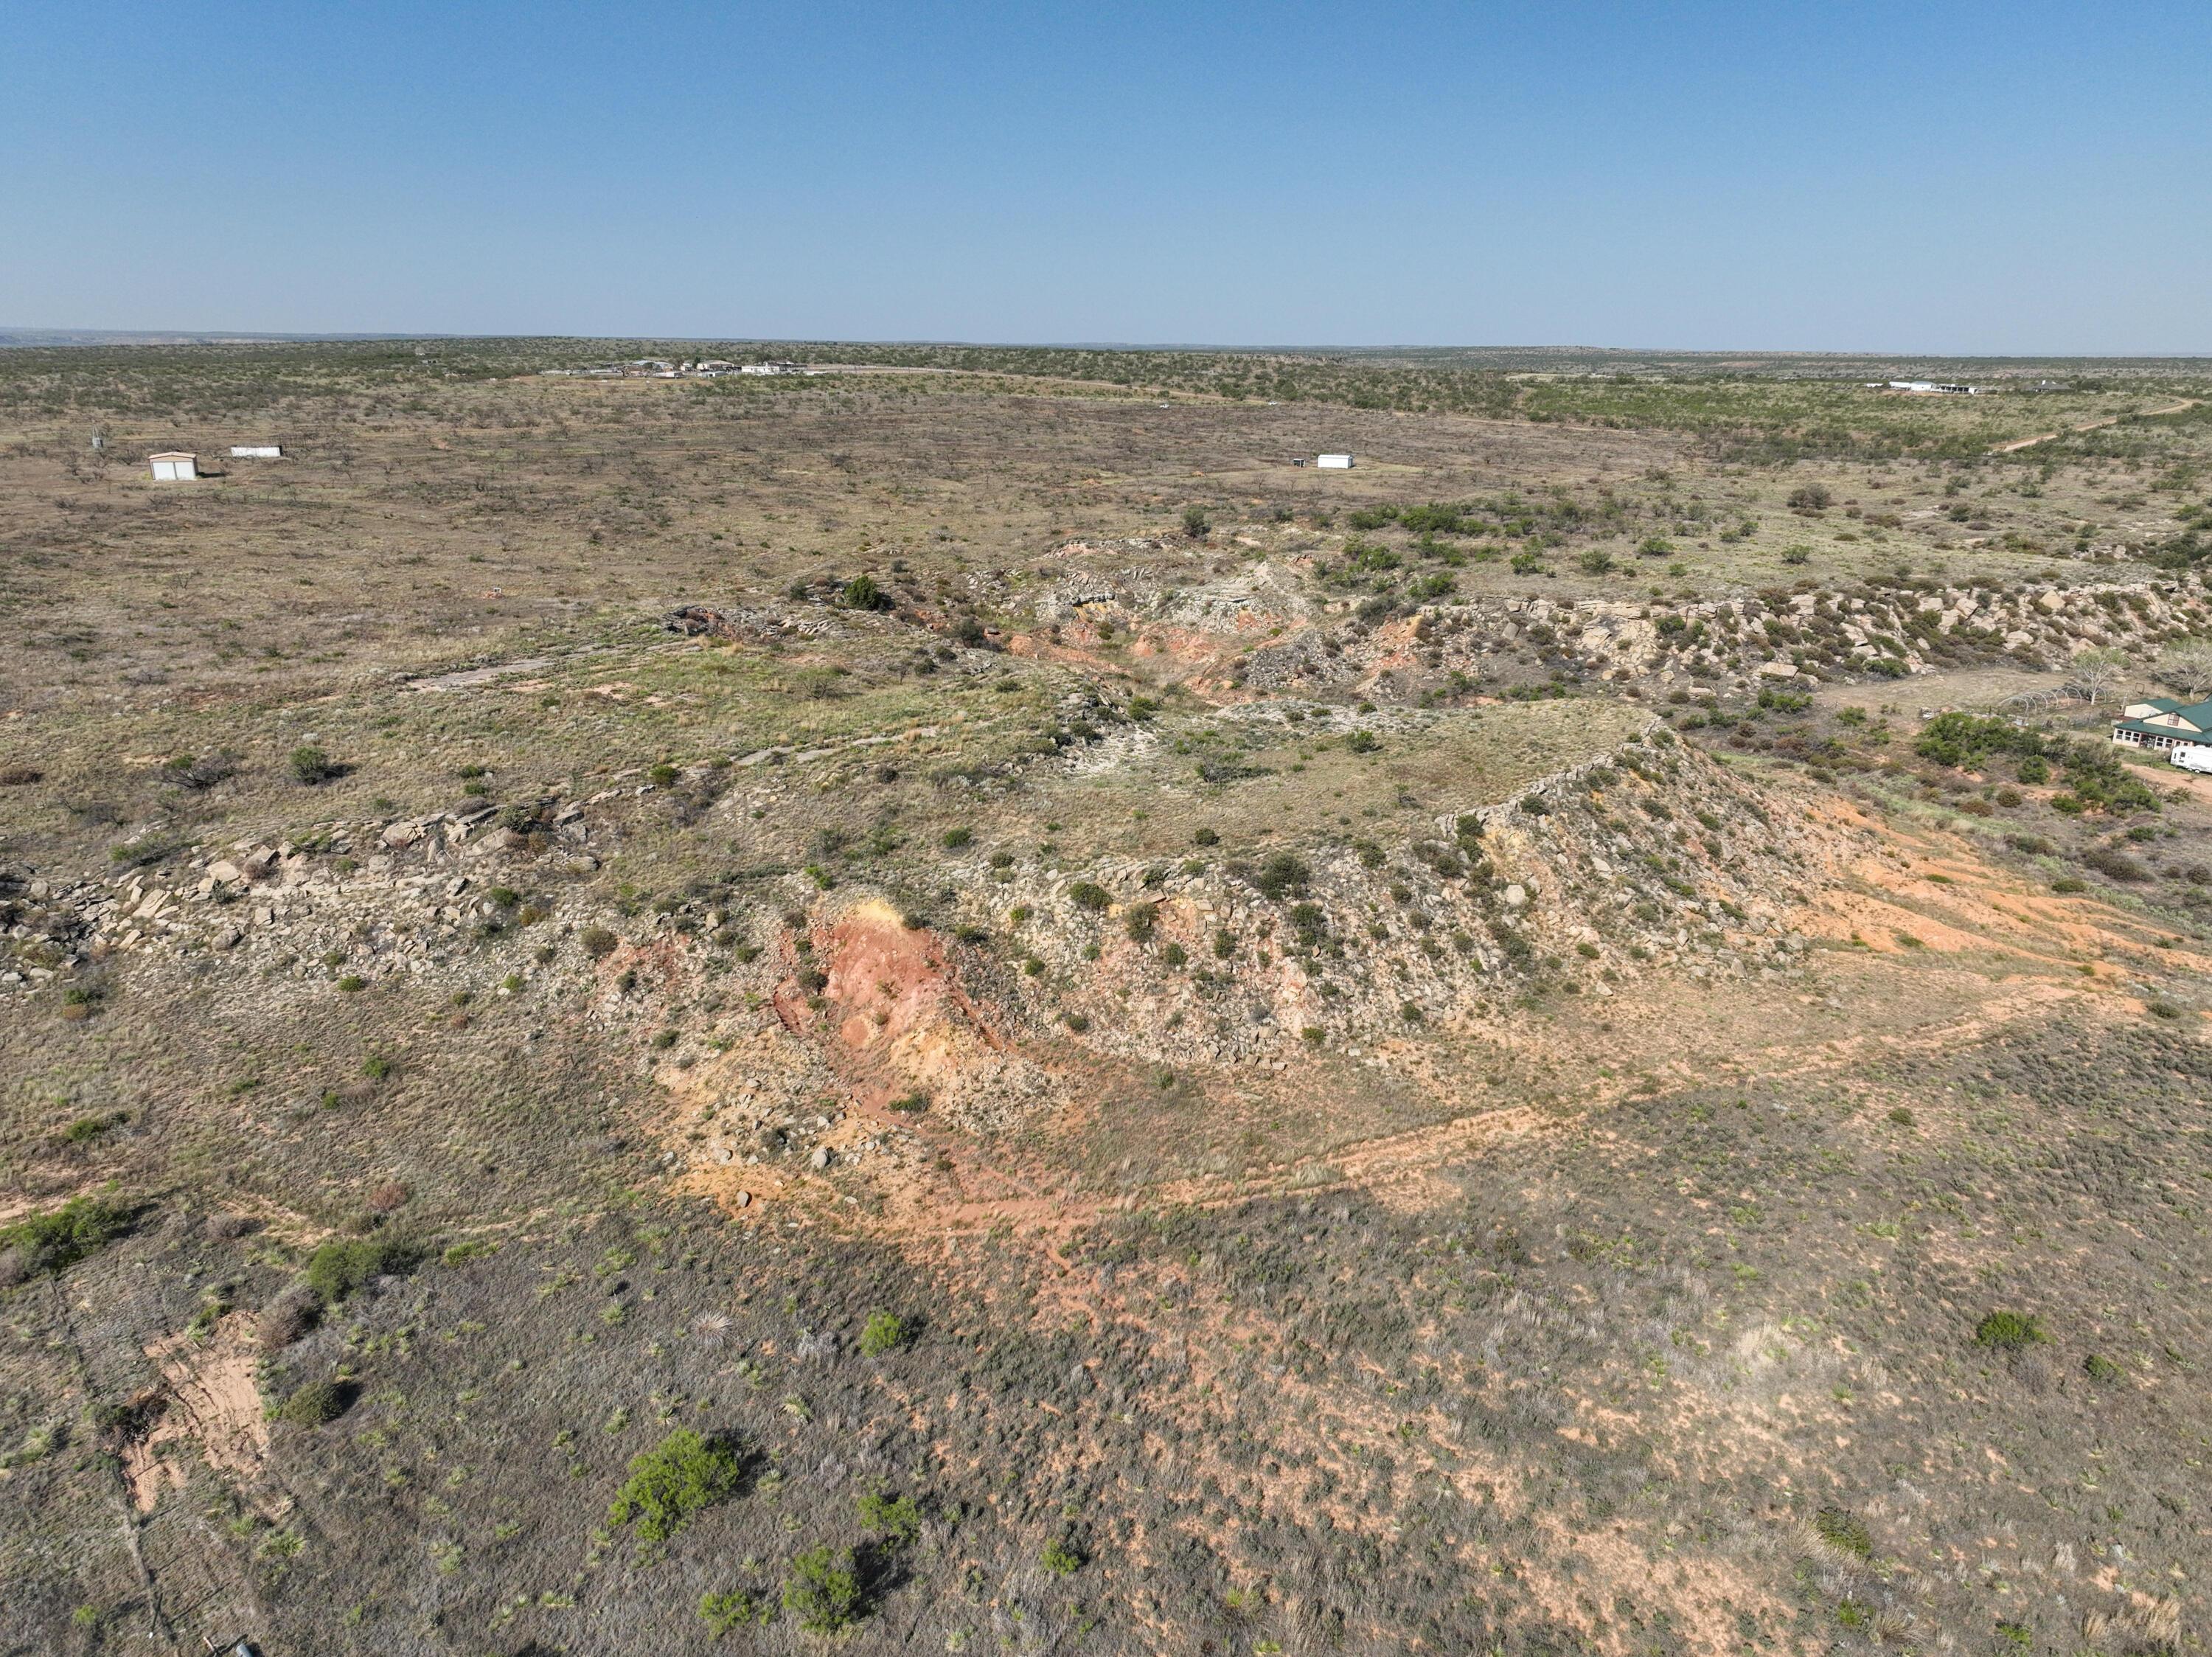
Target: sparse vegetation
[(1314, 1221)]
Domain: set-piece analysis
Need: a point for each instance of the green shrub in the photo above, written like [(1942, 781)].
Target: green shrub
[(953, 838), (1195, 523), (721, 1613), (1844, 1531), (2098, 1367), (824, 1590), (663, 776), (2097, 777), (1966, 740), (597, 941), (57, 1240), (1090, 896), (861, 593), (898, 1520), (1140, 922), (2010, 1331), (317, 1403), (86, 1128), (337, 1269), (1206, 836), (1283, 875), (311, 764), (1062, 1557), (884, 1333), (681, 1477)]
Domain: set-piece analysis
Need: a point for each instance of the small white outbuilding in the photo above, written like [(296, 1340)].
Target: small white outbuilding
[(256, 452), (175, 466), (1335, 463)]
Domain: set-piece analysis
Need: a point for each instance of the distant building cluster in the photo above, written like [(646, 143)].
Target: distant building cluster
[(1926, 388), (658, 368)]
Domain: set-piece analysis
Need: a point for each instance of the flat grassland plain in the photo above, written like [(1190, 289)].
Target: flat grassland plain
[(944, 1005)]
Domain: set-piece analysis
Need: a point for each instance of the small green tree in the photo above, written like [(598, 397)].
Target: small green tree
[(680, 1476), (885, 1331), (824, 1590), (1195, 523)]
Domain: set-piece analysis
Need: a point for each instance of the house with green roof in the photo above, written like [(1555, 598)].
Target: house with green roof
[(2163, 724)]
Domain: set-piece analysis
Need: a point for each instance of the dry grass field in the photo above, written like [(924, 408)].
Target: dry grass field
[(944, 1005)]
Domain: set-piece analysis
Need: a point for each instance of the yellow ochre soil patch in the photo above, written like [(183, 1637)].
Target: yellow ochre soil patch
[(207, 1394), (1930, 891)]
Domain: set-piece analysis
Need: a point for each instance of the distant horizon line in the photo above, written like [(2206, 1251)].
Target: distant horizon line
[(21, 337)]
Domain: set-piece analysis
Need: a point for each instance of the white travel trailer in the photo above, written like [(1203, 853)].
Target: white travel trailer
[(175, 466), (1335, 463), (256, 452), (2190, 757)]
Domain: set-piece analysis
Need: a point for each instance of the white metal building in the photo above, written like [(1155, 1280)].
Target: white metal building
[(256, 452), (175, 466), (1335, 463)]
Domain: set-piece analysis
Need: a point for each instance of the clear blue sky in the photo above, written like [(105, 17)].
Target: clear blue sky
[(2016, 178)]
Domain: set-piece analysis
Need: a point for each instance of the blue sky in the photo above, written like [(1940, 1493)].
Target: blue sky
[(2022, 178)]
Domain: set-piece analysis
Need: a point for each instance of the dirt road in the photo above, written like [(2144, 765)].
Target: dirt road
[(2108, 420)]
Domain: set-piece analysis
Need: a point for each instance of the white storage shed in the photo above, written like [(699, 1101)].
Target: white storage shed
[(1335, 463), (175, 466)]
